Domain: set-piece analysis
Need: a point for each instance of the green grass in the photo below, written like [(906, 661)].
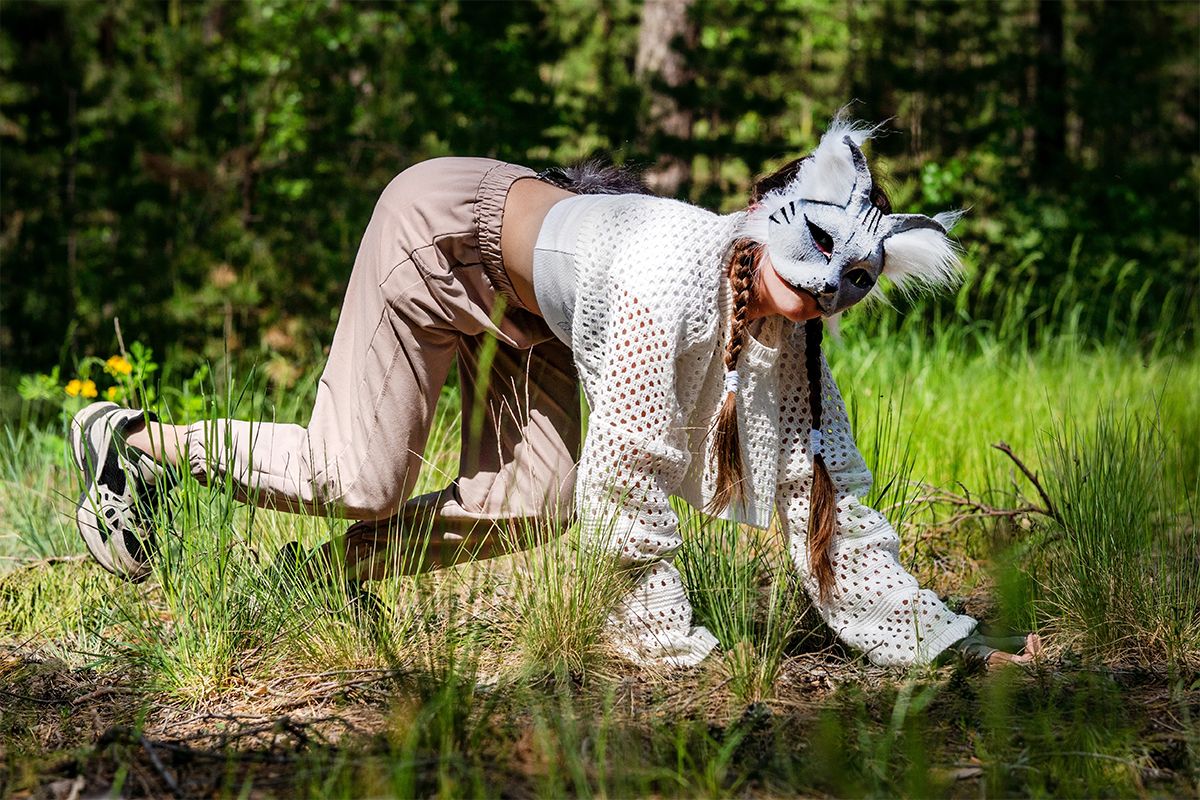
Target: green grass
[(745, 591), (560, 598), (962, 393), (1122, 568), (498, 677), (1112, 433)]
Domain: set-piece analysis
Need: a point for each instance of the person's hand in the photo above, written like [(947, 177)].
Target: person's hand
[(1033, 649)]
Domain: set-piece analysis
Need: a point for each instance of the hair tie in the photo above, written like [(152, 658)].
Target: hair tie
[(731, 381), (814, 442)]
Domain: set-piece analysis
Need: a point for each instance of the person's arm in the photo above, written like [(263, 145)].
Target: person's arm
[(634, 458), (650, 277), (876, 606)]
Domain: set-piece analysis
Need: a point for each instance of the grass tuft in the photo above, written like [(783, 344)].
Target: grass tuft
[(748, 595), (1123, 568), (562, 596)]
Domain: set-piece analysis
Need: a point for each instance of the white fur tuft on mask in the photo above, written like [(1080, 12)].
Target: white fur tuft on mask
[(827, 176), (754, 225), (923, 258), (948, 219)]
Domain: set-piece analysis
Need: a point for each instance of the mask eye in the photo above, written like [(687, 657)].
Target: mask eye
[(860, 278), (823, 240)]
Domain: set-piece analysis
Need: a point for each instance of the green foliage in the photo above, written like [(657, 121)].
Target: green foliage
[(1123, 574), (39, 387), (748, 595), (204, 170), (496, 677), (1065, 737)]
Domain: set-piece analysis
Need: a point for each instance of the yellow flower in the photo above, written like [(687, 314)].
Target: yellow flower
[(118, 364), (112, 393), (73, 387), (88, 389)]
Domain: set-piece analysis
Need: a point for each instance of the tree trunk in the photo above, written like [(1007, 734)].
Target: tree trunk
[(73, 293), (1050, 130), (662, 67)]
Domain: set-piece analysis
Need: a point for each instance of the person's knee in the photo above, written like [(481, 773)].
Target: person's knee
[(372, 494), (519, 493), (369, 506)]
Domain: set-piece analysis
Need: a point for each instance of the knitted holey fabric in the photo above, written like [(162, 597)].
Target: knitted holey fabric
[(651, 319), (877, 606), (643, 339)]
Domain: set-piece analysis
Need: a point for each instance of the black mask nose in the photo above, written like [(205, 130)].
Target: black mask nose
[(830, 288)]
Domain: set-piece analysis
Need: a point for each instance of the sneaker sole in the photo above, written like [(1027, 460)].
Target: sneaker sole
[(85, 456), (97, 533), (93, 532)]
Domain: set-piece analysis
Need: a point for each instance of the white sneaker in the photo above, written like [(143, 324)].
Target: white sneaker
[(122, 487)]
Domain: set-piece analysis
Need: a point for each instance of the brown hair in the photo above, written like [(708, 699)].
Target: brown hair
[(822, 509), (822, 501), (726, 441)]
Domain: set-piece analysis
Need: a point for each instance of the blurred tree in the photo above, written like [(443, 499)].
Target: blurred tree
[(664, 35), (1050, 141), (203, 170)]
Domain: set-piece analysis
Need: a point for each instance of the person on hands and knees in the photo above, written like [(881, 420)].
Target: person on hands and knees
[(695, 337)]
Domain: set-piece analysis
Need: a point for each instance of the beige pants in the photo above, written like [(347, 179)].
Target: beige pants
[(427, 285)]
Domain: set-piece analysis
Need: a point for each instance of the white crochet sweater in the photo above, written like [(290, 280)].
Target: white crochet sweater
[(651, 320)]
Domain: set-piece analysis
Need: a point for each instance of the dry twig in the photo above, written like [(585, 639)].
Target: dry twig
[(103, 690), (1049, 510), (971, 508)]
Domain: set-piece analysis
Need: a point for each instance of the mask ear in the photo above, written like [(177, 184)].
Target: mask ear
[(917, 253)]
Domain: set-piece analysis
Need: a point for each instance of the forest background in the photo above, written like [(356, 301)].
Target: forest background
[(204, 170)]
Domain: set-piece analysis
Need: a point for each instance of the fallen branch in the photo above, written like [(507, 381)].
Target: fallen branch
[(977, 509), (103, 690), (971, 508), (1049, 510), (167, 777)]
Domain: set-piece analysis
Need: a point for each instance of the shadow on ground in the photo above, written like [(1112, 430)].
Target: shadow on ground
[(833, 727)]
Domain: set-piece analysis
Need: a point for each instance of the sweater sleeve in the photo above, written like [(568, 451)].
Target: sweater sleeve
[(634, 458), (876, 606)]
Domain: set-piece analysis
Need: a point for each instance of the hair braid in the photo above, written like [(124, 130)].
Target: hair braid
[(726, 441), (822, 506)]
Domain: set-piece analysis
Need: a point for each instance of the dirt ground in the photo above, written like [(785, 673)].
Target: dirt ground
[(75, 733)]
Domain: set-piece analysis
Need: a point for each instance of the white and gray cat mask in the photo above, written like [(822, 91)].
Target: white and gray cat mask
[(826, 238)]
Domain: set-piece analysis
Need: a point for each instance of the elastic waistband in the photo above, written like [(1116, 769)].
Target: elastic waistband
[(489, 215)]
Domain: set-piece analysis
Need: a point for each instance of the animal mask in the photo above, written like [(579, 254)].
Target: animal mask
[(825, 237)]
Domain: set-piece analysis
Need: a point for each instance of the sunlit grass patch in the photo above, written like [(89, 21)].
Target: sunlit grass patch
[(561, 597), (66, 609), (1120, 571), (496, 677), (37, 495), (963, 389)]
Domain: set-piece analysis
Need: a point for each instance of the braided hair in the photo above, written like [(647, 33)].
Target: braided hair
[(727, 443), (822, 502), (730, 487)]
